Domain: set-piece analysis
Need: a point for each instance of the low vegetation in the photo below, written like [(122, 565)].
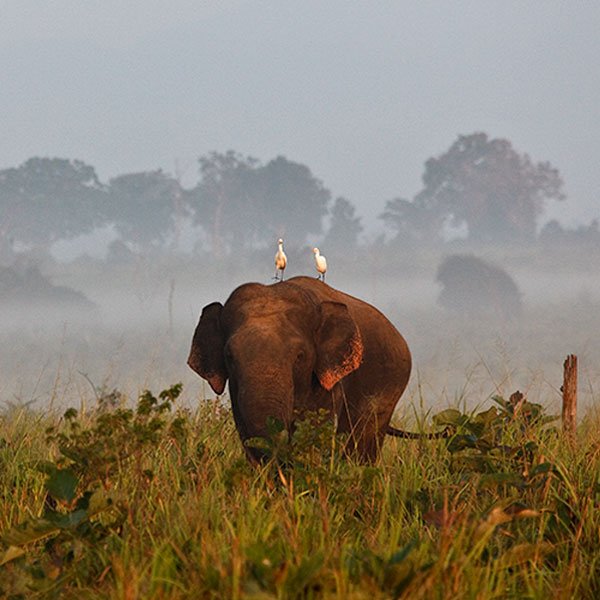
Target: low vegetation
[(152, 500)]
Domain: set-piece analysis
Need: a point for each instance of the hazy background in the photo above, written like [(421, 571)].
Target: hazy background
[(362, 94)]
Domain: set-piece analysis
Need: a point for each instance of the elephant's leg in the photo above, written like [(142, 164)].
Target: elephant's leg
[(365, 421), (365, 440)]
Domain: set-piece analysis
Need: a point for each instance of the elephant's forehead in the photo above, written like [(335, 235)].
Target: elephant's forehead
[(262, 310), (266, 308)]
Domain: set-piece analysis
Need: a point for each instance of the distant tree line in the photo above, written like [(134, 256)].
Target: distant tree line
[(480, 186), (238, 203)]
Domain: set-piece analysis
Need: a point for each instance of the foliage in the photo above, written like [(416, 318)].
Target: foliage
[(144, 207), (226, 201), (313, 444), (472, 285), (553, 234), (46, 199), (85, 479), (295, 200), (243, 204), (240, 204), (344, 229), (483, 183), (413, 221), (147, 502), (118, 434), (478, 442)]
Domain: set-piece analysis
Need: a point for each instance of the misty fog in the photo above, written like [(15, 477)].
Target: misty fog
[(123, 210), (138, 333)]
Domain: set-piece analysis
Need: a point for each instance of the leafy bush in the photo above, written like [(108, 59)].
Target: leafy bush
[(156, 501)]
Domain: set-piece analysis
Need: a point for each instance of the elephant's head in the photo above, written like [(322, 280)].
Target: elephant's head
[(280, 349)]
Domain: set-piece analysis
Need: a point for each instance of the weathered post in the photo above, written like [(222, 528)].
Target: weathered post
[(569, 394)]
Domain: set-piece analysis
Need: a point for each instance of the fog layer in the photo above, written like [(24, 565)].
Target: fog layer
[(137, 333)]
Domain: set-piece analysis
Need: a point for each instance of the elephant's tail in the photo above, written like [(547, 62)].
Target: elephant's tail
[(419, 436)]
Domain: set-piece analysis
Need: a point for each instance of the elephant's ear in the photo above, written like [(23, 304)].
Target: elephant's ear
[(339, 345), (206, 355)]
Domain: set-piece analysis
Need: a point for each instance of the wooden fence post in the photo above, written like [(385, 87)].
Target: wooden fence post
[(569, 394)]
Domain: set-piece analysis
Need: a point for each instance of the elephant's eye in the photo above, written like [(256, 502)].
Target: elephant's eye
[(300, 356)]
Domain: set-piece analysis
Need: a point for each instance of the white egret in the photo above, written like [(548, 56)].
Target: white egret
[(280, 260), (320, 263)]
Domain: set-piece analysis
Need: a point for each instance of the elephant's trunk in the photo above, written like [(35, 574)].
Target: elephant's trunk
[(255, 413), (255, 399)]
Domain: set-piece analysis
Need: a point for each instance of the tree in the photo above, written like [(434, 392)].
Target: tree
[(225, 201), (472, 286), (554, 234), (412, 221), (295, 200), (485, 184), (46, 199), (144, 206), (244, 205), (345, 228)]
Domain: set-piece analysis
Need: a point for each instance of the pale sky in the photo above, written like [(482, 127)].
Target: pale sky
[(361, 92)]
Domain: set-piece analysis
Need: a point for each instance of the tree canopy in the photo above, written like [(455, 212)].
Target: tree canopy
[(413, 221), (240, 204), (144, 206), (295, 200), (225, 201), (344, 229), (46, 199), (483, 183), (244, 204)]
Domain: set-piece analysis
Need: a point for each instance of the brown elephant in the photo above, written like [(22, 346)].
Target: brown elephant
[(301, 345)]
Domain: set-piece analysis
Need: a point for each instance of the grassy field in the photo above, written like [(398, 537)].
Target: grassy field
[(148, 499), (150, 496)]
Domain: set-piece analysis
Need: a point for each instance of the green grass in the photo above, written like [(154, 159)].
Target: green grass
[(156, 501)]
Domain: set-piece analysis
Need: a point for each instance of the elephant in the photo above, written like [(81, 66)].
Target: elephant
[(298, 346)]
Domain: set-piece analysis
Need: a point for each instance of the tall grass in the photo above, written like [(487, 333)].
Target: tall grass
[(159, 502)]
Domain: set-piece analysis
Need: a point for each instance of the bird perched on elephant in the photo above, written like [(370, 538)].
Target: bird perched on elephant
[(320, 264), (280, 260), (299, 346)]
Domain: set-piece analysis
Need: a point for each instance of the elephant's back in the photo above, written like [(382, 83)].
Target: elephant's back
[(386, 353), (364, 312)]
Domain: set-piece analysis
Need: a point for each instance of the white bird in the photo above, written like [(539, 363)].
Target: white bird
[(280, 260), (321, 264)]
